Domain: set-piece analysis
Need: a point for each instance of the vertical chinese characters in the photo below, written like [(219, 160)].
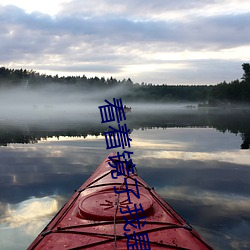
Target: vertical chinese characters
[(122, 165)]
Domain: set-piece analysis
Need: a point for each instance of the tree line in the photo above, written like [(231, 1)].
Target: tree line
[(235, 123), (236, 91)]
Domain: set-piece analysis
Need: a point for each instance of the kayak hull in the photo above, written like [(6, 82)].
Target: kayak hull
[(92, 219)]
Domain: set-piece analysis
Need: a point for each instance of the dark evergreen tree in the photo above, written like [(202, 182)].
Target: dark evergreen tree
[(246, 69)]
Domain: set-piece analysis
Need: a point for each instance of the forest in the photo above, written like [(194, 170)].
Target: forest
[(224, 93)]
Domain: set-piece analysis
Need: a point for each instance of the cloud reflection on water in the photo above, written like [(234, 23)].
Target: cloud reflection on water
[(201, 174), (236, 156), (29, 210), (205, 179), (26, 219)]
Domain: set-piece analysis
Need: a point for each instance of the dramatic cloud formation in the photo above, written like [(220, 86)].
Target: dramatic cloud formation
[(171, 42)]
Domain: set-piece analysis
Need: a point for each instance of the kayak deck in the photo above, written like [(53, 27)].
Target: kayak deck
[(92, 219)]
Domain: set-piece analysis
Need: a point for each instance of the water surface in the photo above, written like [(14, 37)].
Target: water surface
[(193, 158)]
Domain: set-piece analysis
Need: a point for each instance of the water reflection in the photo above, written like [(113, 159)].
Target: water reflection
[(201, 174), (29, 210), (233, 121), (192, 159), (19, 222)]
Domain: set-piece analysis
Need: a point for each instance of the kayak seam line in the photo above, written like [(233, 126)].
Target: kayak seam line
[(99, 234), (99, 178), (119, 237), (120, 222)]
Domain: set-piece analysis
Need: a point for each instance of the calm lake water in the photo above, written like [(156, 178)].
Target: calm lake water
[(197, 160)]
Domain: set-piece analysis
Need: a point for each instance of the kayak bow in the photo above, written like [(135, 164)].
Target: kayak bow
[(92, 219)]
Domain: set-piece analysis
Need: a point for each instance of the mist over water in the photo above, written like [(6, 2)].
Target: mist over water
[(191, 156), (59, 107), (61, 102), (54, 102)]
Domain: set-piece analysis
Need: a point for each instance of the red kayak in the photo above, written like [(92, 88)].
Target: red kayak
[(98, 216)]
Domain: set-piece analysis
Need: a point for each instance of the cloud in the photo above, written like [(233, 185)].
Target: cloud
[(202, 31), (95, 38), (148, 9)]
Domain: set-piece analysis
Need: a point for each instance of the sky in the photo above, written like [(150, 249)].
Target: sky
[(152, 41)]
